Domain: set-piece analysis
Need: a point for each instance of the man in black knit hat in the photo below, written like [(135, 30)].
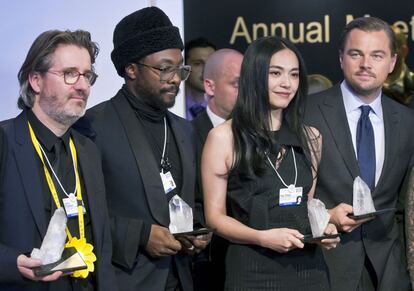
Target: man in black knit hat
[(145, 147)]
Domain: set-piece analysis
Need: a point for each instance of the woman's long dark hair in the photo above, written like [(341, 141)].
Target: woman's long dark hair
[(251, 114)]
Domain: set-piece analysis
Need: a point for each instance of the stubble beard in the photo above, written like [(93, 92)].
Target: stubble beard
[(59, 112), (368, 91), (158, 100)]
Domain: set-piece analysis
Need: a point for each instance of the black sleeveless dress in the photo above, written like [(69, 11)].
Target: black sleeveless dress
[(255, 203)]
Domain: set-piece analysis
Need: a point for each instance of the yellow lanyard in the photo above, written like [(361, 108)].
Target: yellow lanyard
[(52, 186)]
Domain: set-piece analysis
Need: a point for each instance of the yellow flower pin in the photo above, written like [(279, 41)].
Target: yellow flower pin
[(86, 251)]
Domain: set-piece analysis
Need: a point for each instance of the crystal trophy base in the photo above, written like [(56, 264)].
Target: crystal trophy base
[(71, 261), (371, 214)]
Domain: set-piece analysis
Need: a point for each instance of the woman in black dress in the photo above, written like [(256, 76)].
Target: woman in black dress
[(259, 171)]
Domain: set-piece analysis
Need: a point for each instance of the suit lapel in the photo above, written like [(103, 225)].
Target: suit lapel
[(26, 160), (391, 134), (88, 169), (333, 111), (186, 151), (203, 125), (145, 160)]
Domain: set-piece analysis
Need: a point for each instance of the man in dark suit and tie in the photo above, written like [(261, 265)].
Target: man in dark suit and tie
[(221, 77), (45, 165), (197, 52), (365, 134), (148, 154)]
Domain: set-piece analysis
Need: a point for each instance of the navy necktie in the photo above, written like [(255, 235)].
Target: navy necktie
[(196, 109), (366, 147)]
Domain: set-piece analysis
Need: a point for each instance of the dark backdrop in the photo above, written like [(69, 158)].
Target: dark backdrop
[(315, 25)]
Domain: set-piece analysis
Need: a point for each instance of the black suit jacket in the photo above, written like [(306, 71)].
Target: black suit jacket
[(202, 126), (135, 193), (378, 239), (22, 216), (215, 253)]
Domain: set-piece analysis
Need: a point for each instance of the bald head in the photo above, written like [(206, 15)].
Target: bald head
[(221, 78)]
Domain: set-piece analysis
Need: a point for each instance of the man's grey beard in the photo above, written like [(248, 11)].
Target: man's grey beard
[(59, 115), (52, 107), (68, 120)]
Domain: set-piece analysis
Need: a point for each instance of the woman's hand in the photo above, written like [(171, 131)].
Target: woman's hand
[(281, 240), (330, 243)]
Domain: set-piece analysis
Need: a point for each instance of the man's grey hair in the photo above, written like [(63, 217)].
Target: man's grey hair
[(38, 58)]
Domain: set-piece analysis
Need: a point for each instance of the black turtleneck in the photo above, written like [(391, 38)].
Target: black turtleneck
[(143, 109)]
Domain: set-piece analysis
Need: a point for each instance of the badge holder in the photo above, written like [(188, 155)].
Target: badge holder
[(290, 196), (71, 205), (167, 179)]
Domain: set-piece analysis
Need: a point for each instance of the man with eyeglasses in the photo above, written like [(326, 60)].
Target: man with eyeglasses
[(148, 154), (46, 165)]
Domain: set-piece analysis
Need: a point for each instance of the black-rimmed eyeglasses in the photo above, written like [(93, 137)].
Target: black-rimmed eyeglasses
[(72, 76), (167, 73)]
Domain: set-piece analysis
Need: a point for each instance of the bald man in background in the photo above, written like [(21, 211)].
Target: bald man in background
[(221, 78)]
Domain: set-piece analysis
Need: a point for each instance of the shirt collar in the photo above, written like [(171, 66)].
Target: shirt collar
[(215, 119), (45, 136), (352, 102)]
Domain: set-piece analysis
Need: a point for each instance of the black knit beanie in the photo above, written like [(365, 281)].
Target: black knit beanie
[(141, 33)]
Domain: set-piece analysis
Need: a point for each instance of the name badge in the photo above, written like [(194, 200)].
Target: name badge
[(71, 206), (167, 182), (290, 196)]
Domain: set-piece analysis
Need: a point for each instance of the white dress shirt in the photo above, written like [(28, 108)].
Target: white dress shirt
[(352, 103), (215, 119)]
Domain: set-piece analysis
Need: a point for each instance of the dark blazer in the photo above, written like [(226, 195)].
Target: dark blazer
[(202, 126), (408, 190), (215, 253), (378, 239), (135, 193), (22, 215)]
